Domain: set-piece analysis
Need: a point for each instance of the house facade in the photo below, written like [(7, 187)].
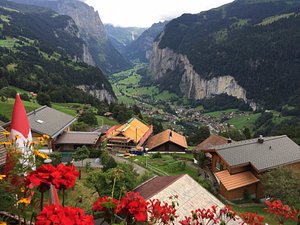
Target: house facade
[(238, 165), (129, 136), (167, 141)]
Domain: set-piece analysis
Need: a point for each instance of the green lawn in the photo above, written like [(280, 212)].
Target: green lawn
[(68, 108), (218, 114), (102, 120), (8, 43), (244, 121), (166, 165), (6, 108), (88, 195)]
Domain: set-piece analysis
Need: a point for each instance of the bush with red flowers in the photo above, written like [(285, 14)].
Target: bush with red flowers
[(252, 219), (210, 216), (56, 214), (281, 212)]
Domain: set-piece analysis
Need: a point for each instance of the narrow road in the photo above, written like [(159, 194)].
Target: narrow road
[(140, 170)]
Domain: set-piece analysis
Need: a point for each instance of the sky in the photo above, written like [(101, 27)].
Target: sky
[(143, 13)]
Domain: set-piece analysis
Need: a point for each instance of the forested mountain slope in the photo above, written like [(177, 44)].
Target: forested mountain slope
[(99, 50), (249, 49), (41, 51)]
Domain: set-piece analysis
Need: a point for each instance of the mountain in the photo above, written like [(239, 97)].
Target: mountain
[(41, 51), (248, 49), (141, 47), (99, 51), (120, 37)]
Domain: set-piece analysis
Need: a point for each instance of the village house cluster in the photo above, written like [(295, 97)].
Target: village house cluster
[(236, 167)]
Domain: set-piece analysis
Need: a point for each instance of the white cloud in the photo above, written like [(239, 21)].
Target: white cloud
[(144, 13)]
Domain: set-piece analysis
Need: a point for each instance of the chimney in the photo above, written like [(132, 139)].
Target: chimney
[(229, 140), (170, 134), (260, 139)]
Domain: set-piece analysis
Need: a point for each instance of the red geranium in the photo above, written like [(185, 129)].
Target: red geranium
[(133, 205), (61, 177), (161, 212), (282, 212), (103, 204), (58, 215), (252, 219), (41, 176), (64, 176), (210, 216)]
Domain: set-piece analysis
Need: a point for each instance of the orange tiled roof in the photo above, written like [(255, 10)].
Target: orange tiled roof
[(134, 129), (210, 142), (164, 137), (235, 181)]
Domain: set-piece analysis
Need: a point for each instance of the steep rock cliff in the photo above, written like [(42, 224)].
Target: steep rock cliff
[(191, 84), (253, 41)]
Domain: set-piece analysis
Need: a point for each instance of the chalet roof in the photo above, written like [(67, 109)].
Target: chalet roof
[(191, 195), (166, 136), (134, 128), (2, 149), (210, 142), (74, 137), (273, 152), (46, 120), (235, 181), (155, 185)]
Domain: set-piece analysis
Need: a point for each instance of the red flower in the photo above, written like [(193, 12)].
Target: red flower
[(161, 212), (58, 215), (133, 205), (103, 204), (61, 177), (252, 219), (282, 212), (41, 177), (64, 176)]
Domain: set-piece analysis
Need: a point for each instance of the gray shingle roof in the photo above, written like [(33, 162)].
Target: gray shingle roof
[(88, 138), (46, 120), (273, 152)]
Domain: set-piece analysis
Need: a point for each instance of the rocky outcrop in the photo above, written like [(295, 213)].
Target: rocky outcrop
[(101, 94), (192, 85)]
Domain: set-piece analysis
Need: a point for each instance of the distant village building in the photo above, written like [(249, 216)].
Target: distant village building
[(238, 165), (2, 148), (49, 121), (130, 135), (167, 141), (191, 195), (70, 141), (108, 114)]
